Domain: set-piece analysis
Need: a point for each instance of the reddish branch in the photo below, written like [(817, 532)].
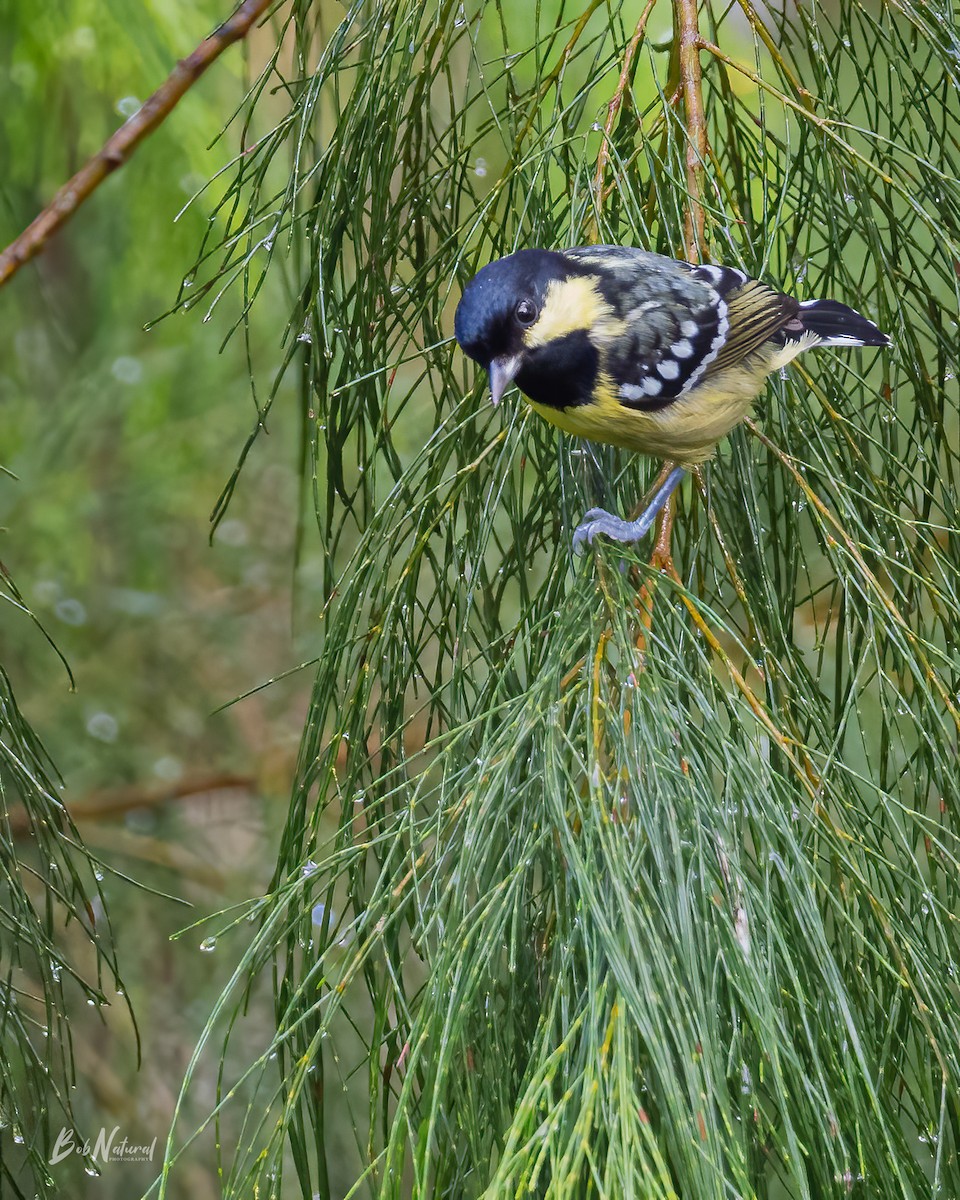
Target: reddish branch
[(113, 802), (687, 32), (616, 103), (689, 43), (119, 147)]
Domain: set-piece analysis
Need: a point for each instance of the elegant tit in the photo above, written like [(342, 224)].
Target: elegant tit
[(625, 346)]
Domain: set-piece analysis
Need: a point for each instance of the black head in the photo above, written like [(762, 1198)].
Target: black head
[(503, 300), (500, 305)]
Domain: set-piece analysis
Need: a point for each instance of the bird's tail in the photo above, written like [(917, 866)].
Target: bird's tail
[(834, 324)]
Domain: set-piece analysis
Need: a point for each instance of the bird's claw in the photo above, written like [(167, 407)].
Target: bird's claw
[(595, 514), (598, 520), (590, 525)]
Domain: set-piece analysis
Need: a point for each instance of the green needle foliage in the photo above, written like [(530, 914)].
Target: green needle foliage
[(599, 881), (48, 881)]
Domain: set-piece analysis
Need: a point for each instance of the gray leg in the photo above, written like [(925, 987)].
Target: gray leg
[(598, 520)]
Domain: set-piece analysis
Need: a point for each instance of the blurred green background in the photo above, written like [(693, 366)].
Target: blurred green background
[(120, 441)]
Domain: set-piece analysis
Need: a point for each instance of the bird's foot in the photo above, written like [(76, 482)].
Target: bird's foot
[(598, 520)]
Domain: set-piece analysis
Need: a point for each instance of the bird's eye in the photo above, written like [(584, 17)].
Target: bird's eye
[(526, 312)]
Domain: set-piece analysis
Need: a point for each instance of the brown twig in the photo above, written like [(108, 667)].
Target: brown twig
[(804, 772), (661, 547), (122, 144), (738, 585), (662, 557), (661, 561), (112, 802), (687, 35), (554, 75), (765, 36), (616, 103)]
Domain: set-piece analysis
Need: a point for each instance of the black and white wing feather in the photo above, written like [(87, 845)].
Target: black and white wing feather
[(681, 323)]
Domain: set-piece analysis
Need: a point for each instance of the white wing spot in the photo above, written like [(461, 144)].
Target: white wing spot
[(681, 349), (723, 325), (630, 391), (652, 387), (669, 369), (689, 328)]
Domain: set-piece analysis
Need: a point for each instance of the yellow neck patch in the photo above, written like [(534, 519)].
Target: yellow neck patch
[(572, 304)]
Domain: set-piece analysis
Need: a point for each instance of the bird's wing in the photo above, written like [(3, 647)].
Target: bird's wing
[(755, 313), (682, 323), (674, 322)]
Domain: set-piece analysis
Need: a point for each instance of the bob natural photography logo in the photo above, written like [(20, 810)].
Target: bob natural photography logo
[(107, 1148)]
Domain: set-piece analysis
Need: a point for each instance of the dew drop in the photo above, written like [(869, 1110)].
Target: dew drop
[(103, 726), (232, 532)]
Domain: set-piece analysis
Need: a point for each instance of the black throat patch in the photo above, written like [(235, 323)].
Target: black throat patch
[(562, 373)]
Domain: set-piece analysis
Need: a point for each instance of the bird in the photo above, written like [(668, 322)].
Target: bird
[(622, 345)]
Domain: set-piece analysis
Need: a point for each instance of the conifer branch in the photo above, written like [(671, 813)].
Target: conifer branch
[(616, 102)]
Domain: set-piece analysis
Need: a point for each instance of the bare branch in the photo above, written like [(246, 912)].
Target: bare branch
[(616, 102), (687, 32), (121, 145), (109, 803)]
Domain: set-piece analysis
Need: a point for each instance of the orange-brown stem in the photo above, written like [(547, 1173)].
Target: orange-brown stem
[(660, 560), (111, 803), (687, 34), (616, 103), (662, 557), (122, 144)]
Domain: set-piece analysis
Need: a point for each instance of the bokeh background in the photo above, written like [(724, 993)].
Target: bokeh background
[(119, 441)]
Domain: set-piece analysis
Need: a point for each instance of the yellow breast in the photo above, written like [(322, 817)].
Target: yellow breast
[(686, 431)]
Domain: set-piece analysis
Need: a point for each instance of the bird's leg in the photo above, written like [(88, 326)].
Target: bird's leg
[(598, 520), (652, 490)]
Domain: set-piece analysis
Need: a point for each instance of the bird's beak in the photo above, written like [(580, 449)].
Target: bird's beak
[(503, 371)]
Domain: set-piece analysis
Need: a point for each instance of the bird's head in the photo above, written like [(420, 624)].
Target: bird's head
[(516, 305)]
